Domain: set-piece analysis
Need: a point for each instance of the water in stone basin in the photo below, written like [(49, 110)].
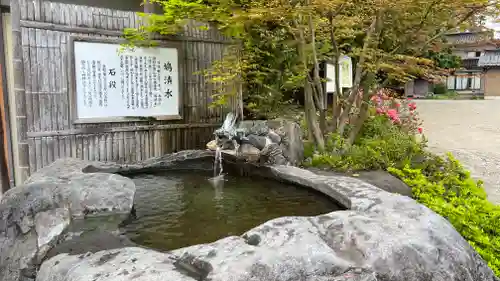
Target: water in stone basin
[(180, 209)]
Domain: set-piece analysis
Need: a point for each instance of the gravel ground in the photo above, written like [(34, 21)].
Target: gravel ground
[(470, 129)]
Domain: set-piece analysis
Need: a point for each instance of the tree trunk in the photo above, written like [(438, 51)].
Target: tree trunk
[(310, 114), (344, 117), (363, 115), (310, 109), (338, 91), (320, 93)]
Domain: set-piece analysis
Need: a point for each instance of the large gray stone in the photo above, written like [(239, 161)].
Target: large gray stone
[(285, 137), (380, 179), (293, 146), (381, 237), (183, 160), (257, 141), (35, 215)]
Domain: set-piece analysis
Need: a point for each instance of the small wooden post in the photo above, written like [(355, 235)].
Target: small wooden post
[(23, 165)]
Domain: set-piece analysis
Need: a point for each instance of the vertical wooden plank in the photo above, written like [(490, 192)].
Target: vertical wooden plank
[(61, 144), (73, 147), (63, 78), (56, 148), (67, 146), (97, 147), (51, 74), (27, 82), (193, 83), (32, 155), (76, 148), (166, 142), (38, 10), (85, 147), (39, 81), (147, 152), (151, 147), (121, 147), (77, 16), (137, 141), (144, 145), (59, 11), (49, 150), (108, 139), (46, 11), (156, 143), (93, 147), (39, 156), (35, 113), (93, 150), (210, 86), (23, 9), (173, 140), (108, 19), (44, 93), (186, 138), (58, 95), (128, 147), (68, 18), (133, 146), (178, 139), (202, 58), (116, 149), (102, 148)]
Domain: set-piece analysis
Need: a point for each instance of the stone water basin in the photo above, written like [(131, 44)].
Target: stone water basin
[(176, 209)]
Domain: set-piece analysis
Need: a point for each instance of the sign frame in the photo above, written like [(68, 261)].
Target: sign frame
[(350, 75), (72, 82)]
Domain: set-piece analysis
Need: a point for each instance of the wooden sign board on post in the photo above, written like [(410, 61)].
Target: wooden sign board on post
[(112, 84), (345, 67)]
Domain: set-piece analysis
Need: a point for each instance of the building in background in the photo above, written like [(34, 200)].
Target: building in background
[(480, 73), (470, 81)]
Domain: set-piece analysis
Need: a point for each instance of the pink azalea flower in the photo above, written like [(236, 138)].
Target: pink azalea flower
[(412, 106)]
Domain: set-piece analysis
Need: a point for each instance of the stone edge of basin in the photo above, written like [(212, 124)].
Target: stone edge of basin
[(360, 199)]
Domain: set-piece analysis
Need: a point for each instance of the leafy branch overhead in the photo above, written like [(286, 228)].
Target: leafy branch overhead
[(279, 47)]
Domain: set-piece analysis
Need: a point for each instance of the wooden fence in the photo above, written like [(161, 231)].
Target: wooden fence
[(41, 36)]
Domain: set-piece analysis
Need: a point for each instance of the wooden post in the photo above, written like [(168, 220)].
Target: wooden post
[(7, 144), (23, 165), (4, 170)]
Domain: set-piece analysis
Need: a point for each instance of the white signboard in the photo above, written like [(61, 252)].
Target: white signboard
[(345, 67), (139, 83)]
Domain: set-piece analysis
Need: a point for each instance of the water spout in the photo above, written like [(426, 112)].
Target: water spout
[(218, 179), (226, 133), (218, 162)]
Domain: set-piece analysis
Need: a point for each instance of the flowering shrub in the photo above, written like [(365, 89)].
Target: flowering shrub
[(402, 113)]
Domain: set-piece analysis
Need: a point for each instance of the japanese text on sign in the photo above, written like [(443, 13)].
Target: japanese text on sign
[(109, 83)]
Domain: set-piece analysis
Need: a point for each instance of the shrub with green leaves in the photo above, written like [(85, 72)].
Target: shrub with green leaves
[(380, 145), (450, 191), (441, 184)]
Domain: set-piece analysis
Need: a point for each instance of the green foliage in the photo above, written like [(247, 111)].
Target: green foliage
[(445, 59), (381, 145), (448, 95), (268, 35), (440, 89), (441, 184), (270, 74), (446, 187)]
